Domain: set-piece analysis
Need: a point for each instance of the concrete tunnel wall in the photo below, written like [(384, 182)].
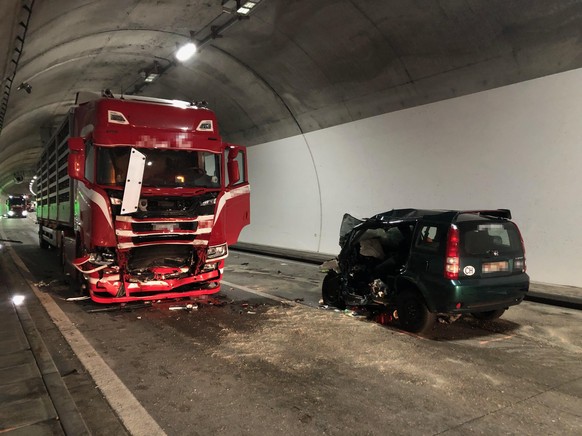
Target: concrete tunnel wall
[(516, 147)]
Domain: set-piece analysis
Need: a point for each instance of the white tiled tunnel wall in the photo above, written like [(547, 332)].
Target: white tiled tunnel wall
[(516, 147)]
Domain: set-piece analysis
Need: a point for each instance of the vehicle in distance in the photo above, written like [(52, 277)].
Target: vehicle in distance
[(422, 264), (16, 206)]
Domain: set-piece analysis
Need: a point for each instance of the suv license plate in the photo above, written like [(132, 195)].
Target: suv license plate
[(490, 267)]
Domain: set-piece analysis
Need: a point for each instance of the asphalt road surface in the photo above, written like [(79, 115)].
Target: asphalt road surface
[(261, 357)]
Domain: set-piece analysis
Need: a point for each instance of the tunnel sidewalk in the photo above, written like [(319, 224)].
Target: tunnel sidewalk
[(33, 397), (555, 295)]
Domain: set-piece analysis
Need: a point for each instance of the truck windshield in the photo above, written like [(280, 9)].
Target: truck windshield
[(168, 168), (16, 201)]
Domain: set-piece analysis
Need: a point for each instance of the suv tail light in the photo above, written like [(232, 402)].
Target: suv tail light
[(520, 263), (452, 254)]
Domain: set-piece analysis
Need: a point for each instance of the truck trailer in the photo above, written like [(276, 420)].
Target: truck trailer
[(142, 198)]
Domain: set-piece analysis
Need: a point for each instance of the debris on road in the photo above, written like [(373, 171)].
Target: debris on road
[(43, 284), (82, 298), (121, 307), (187, 307)]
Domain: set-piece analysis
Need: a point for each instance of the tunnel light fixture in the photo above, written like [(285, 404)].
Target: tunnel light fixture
[(186, 52), (240, 7), (152, 74), (25, 86), (246, 7), (151, 77)]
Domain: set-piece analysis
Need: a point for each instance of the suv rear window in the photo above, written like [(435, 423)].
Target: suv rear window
[(481, 237)]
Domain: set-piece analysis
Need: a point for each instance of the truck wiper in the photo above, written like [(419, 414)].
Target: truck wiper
[(10, 240)]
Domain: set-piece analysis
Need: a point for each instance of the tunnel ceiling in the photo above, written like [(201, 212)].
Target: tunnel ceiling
[(293, 66)]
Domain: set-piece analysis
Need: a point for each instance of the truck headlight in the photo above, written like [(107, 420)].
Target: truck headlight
[(208, 202), (216, 251), (10, 213), (24, 213)]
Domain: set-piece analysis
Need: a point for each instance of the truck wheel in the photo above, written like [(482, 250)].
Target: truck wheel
[(41, 242), (331, 291), (413, 314), (489, 315)]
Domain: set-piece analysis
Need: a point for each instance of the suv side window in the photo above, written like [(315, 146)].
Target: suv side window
[(428, 238)]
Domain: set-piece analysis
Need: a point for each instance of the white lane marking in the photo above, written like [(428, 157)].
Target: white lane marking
[(134, 417), (259, 293)]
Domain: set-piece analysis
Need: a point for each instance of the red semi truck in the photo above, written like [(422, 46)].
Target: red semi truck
[(142, 198), (16, 206)]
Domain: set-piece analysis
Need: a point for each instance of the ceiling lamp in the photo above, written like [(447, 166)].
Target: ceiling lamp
[(25, 86), (151, 74), (185, 52), (246, 7), (238, 6)]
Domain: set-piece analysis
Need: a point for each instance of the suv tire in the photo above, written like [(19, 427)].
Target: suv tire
[(330, 291), (489, 315), (413, 315)]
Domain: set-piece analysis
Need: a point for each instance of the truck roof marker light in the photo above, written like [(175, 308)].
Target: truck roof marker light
[(186, 52), (115, 117), (205, 126), (452, 259)]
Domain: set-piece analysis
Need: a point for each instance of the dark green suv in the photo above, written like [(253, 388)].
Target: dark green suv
[(422, 264)]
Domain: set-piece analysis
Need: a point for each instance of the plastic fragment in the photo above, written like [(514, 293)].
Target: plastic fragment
[(84, 297)]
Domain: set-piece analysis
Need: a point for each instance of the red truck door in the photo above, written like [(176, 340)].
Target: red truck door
[(237, 206)]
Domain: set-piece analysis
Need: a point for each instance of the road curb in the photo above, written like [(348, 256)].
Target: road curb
[(554, 300)]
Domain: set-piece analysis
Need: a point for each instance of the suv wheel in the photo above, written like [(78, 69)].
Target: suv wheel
[(489, 315), (413, 314), (330, 291)]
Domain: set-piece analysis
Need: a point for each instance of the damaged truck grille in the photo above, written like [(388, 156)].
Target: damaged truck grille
[(175, 207), (172, 256), (148, 227), (163, 238), (132, 232)]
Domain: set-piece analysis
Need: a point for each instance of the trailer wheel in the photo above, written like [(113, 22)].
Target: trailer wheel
[(41, 242)]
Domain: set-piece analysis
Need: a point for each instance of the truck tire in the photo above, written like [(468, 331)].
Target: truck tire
[(331, 291), (41, 242), (413, 315), (490, 315)]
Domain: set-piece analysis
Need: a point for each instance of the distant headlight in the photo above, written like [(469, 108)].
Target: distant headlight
[(10, 213), (216, 251)]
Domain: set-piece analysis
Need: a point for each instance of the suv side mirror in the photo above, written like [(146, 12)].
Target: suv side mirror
[(76, 160)]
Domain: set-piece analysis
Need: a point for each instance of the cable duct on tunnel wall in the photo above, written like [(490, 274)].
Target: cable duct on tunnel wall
[(296, 121), (18, 48)]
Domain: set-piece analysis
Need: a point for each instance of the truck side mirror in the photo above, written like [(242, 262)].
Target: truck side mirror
[(233, 172), (76, 160)]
